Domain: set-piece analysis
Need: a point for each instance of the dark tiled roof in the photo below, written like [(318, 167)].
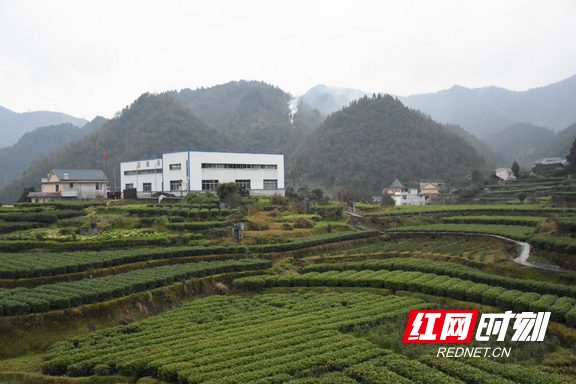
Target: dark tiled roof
[(396, 183), (81, 174)]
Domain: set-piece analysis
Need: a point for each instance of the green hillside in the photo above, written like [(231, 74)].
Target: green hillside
[(17, 158), (153, 124), (254, 114), (375, 140)]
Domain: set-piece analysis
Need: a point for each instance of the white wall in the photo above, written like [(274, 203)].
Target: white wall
[(192, 161), (155, 179), (256, 176)]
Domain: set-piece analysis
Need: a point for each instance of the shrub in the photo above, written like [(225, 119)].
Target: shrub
[(542, 304), (474, 292), (490, 296), (506, 299), (560, 308)]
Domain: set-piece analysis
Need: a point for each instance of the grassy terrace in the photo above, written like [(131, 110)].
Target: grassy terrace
[(504, 209), (315, 300)]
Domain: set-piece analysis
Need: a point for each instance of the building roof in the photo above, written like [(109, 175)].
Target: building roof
[(509, 170), (396, 184), (81, 174), (550, 160)]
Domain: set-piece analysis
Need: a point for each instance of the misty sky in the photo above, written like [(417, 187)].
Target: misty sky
[(89, 58)]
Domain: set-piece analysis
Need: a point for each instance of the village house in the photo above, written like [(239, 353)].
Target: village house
[(549, 164), (71, 185), (505, 174), (430, 188), (403, 195)]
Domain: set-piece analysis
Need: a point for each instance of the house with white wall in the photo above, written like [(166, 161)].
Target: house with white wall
[(403, 195), (71, 184), (182, 172), (505, 174)]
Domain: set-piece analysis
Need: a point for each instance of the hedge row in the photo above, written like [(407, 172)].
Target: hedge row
[(198, 226), (181, 212), (566, 224), (449, 269), (554, 243), (516, 232), (41, 217), (29, 265), (529, 221), (72, 205), (563, 309), (20, 301), (71, 246), (433, 209), (305, 242), (19, 226)]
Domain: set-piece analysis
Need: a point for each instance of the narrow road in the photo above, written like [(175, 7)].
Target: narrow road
[(523, 248)]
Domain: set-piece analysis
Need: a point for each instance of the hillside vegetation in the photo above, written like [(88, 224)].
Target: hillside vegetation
[(153, 124), (13, 125), (17, 158), (377, 139)]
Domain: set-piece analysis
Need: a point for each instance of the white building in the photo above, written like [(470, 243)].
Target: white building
[(403, 195), (505, 174), (200, 171)]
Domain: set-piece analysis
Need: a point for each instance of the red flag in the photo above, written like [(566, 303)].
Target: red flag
[(104, 154)]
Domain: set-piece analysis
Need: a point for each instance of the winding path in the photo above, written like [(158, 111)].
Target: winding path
[(523, 248)]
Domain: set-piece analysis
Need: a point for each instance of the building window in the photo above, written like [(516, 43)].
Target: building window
[(245, 184), (129, 186), (270, 184), (239, 166), (43, 188), (209, 185), (158, 162), (175, 185), (97, 186), (71, 185), (174, 167), (147, 187), (57, 188), (147, 164)]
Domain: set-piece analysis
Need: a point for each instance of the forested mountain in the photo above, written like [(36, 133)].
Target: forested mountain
[(522, 142), (153, 124), (483, 111), (482, 146), (17, 158), (563, 142), (254, 114), (330, 99), (526, 143), (13, 125), (375, 140)]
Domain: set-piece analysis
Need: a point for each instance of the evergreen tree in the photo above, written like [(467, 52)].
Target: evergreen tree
[(571, 157), (516, 169)]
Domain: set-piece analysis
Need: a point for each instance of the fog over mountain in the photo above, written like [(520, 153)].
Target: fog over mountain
[(330, 99), (483, 111), (13, 125)]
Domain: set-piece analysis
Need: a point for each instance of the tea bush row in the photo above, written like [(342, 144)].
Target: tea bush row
[(20, 301)]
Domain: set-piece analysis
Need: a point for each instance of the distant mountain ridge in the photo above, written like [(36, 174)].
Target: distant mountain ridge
[(17, 158), (375, 140), (483, 111), (13, 125), (255, 115)]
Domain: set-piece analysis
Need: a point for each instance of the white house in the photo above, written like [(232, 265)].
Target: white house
[(199, 171), (403, 195), (505, 174), (71, 184)]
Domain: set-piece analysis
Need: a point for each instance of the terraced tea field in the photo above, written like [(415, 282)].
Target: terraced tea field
[(163, 292)]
